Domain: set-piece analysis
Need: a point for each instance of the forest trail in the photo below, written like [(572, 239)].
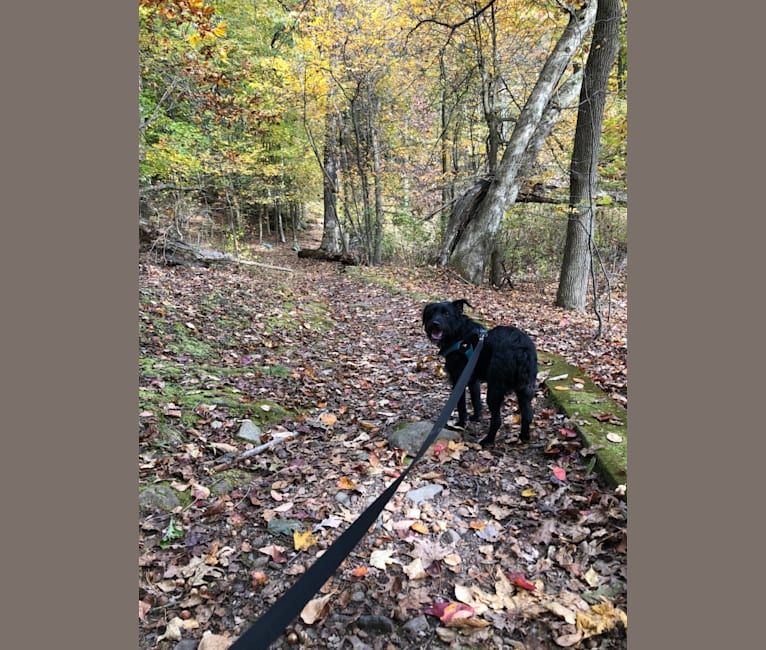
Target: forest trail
[(337, 355)]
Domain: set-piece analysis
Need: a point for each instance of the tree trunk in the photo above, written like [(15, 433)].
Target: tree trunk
[(331, 241), (469, 202), (583, 174), (472, 252)]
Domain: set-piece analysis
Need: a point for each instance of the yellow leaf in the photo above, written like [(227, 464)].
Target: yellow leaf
[(194, 39), (303, 541), (328, 419), (220, 29), (529, 492), (561, 388), (420, 527), (601, 618), (346, 484)]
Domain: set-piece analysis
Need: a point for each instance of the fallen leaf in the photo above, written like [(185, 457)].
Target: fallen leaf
[(315, 609), (214, 642), (601, 618), (613, 437), (359, 572), (568, 640), (328, 419), (277, 553), (345, 484), (559, 610), (143, 607), (518, 580), (559, 473), (607, 417), (415, 570), (420, 527), (529, 492), (303, 541), (592, 577), (258, 578), (382, 558)]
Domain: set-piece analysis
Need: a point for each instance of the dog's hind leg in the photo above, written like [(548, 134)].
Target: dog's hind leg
[(475, 389), (495, 398), (524, 397)]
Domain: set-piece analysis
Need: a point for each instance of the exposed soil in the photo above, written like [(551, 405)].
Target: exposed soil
[(337, 355)]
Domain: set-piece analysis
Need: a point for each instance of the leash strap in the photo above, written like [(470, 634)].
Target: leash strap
[(273, 622)]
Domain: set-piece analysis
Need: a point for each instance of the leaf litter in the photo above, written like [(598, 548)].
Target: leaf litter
[(522, 546)]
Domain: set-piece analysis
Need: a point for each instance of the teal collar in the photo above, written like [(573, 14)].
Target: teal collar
[(467, 350), (455, 347)]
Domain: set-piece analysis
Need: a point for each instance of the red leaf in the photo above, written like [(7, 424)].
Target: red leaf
[(559, 473), (520, 581), (437, 609)]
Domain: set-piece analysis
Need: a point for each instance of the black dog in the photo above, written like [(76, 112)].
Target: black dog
[(507, 362)]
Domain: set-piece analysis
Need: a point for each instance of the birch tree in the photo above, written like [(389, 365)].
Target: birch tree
[(472, 252)]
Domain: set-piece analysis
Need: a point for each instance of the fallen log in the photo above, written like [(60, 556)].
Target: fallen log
[(257, 450), (319, 254), (174, 252)]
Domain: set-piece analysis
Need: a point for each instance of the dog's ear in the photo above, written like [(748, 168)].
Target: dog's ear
[(426, 311), (458, 304)]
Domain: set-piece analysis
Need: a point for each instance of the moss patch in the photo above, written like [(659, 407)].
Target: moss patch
[(581, 400)]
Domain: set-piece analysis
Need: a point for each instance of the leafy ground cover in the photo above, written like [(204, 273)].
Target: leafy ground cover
[(514, 547)]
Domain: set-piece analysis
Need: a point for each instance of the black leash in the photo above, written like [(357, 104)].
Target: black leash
[(273, 622)]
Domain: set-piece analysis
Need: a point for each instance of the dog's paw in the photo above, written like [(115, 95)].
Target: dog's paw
[(487, 442), (475, 417)]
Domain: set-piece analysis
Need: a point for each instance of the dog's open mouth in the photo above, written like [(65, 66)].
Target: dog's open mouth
[(435, 333)]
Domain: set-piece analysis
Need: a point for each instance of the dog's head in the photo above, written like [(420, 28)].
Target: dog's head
[(442, 320)]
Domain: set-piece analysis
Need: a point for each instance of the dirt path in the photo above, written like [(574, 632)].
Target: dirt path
[(342, 352)]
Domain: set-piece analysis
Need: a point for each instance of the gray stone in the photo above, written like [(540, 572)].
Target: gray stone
[(410, 437), (375, 624), (250, 431), (417, 627), (283, 526), (424, 493), (343, 498), (187, 644), (158, 497)]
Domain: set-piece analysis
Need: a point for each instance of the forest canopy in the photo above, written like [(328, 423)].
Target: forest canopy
[(256, 118)]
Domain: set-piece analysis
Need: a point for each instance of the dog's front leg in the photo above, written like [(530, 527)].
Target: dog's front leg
[(461, 411), (475, 388)]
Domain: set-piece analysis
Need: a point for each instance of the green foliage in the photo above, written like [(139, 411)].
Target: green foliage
[(533, 239), (171, 533), (408, 239)]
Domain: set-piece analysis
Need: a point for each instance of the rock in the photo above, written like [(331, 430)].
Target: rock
[(249, 431), (375, 624), (411, 436), (343, 498), (284, 526), (449, 537), (186, 644), (158, 497), (417, 627), (424, 493)]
